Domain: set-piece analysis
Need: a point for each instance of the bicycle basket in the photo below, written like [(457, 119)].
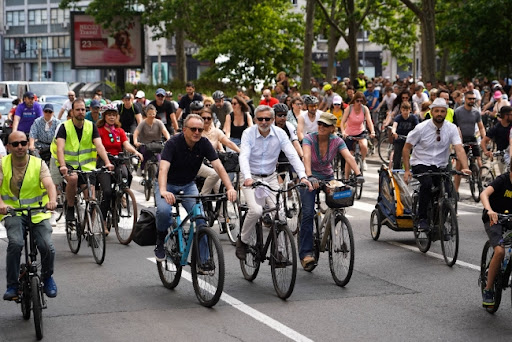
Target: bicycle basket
[(155, 147), (229, 161), (339, 196)]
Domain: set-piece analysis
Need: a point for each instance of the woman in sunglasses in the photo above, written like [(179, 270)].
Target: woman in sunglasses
[(114, 140), (238, 120)]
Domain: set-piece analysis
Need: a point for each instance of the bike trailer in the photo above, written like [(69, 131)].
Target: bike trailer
[(394, 202)]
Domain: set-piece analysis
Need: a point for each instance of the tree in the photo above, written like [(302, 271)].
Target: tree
[(307, 64)]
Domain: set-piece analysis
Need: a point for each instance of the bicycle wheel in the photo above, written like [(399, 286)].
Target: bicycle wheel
[(292, 208), (385, 149), (359, 186), (207, 264), (231, 222), (169, 270), (473, 182), (317, 238), (487, 254), (59, 211), (97, 233), (422, 239), (341, 251), (37, 300), (449, 233), (486, 176), (125, 216), (73, 231), (283, 261), (148, 178), (154, 168), (375, 224), (26, 302), (251, 265)]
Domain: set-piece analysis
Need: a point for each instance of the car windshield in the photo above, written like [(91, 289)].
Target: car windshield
[(49, 88), (5, 107)]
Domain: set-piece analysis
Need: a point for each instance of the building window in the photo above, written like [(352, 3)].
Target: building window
[(15, 18), (58, 16), (37, 17)]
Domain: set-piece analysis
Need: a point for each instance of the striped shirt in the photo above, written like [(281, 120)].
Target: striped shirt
[(321, 167)]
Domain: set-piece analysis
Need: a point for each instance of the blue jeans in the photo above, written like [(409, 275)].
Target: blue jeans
[(306, 226), (42, 233)]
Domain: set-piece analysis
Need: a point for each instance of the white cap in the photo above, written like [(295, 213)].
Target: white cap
[(140, 95), (420, 84), (337, 100)]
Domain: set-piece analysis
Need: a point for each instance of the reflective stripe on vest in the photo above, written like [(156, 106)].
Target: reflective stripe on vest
[(32, 192)]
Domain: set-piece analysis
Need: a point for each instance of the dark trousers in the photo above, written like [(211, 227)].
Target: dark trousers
[(398, 145), (426, 182)]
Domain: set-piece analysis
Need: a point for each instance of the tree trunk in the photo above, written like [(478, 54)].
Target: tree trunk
[(333, 39), (444, 64), (352, 40), (181, 57), (428, 41), (308, 47)]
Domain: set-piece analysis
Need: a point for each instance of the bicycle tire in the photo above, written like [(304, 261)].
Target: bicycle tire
[(292, 209), (486, 176), (422, 239), (154, 171), (26, 302), (59, 211), (375, 224), (231, 222), (359, 186), (125, 217), (383, 147), (73, 232), (96, 233), (487, 254), (473, 182), (341, 251), (169, 270), (251, 265), (449, 233), (147, 181), (208, 286), (36, 296), (284, 273)]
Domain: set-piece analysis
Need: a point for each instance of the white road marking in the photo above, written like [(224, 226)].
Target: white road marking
[(257, 315)]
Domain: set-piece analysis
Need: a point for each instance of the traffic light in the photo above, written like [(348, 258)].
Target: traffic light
[(47, 74)]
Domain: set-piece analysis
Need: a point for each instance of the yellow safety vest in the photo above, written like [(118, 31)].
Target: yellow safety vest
[(32, 191), (362, 84), (79, 154), (449, 115)]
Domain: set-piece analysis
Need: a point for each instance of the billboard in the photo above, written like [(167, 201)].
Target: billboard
[(94, 47)]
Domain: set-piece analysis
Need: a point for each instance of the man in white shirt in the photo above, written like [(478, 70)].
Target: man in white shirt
[(259, 152), (431, 140), (66, 107)]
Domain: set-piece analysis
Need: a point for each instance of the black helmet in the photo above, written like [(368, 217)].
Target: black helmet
[(280, 108), (310, 99), (196, 105), (218, 95)]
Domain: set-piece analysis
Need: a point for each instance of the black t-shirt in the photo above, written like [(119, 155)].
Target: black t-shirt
[(186, 162), (127, 117), (405, 125), (185, 102), (500, 135), (501, 198), (61, 133), (164, 112)]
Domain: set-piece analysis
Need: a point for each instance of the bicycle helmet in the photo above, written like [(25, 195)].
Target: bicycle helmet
[(310, 99), (280, 108), (108, 108), (196, 105), (218, 95)]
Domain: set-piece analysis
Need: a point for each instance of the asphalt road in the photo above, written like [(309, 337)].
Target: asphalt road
[(396, 293)]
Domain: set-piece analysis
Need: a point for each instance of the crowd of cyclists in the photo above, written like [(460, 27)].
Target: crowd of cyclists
[(308, 131)]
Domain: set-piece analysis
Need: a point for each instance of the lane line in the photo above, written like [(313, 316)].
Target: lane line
[(257, 315)]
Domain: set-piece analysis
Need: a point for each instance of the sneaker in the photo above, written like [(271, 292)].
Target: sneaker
[(365, 167), (487, 298), (241, 249), (207, 268), (423, 226), (70, 214), (53, 221), (307, 263), (160, 252), (50, 288), (11, 293)]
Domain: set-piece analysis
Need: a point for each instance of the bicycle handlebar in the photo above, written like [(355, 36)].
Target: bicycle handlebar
[(203, 197), (13, 211), (439, 173), (258, 183)]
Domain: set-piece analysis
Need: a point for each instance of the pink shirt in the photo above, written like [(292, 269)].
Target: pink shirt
[(355, 120)]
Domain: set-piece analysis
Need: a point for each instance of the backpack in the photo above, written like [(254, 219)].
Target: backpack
[(144, 233)]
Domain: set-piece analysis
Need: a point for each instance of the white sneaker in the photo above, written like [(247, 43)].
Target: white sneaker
[(365, 167), (53, 221)]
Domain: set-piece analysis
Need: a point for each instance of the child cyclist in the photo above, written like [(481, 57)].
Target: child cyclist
[(496, 198), (402, 125)]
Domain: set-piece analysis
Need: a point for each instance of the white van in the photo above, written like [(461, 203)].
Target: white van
[(15, 89)]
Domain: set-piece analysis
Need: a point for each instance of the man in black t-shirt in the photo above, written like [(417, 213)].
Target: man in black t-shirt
[(181, 159), (129, 114), (496, 198), (185, 101), (165, 111), (500, 134)]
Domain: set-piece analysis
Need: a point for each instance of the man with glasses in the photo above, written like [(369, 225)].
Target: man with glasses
[(66, 107), (466, 117), (94, 114), (185, 101), (165, 111), (431, 140), (21, 177), (181, 159), (221, 108), (42, 133), (443, 94), (268, 100), (26, 113), (259, 152)]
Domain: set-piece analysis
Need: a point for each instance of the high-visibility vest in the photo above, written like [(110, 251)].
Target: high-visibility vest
[(362, 84), (78, 154), (32, 191), (449, 115)]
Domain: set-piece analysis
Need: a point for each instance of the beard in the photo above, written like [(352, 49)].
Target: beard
[(264, 129)]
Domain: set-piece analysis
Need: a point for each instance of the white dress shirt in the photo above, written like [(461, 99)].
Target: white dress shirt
[(426, 149), (259, 154)]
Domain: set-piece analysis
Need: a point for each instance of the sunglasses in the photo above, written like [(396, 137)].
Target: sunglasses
[(337, 104), (207, 118), (160, 96), (208, 105), (360, 101), (405, 97), (438, 132), (281, 115), (48, 111), (234, 103), (323, 124), (471, 98), (261, 119), (17, 143), (196, 129)]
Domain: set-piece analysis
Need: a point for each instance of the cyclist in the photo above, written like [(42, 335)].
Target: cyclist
[(75, 146), (402, 125), (42, 133), (114, 139), (94, 114), (431, 140), (280, 112), (185, 101), (25, 181), (307, 121), (147, 131), (182, 157), (165, 111), (499, 133), (26, 113), (496, 198), (238, 120), (466, 117), (259, 152), (320, 148), (129, 114), (352, 123), (221, 108)]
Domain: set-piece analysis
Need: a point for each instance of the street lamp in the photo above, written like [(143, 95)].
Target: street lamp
[(159, 64), (39, 58)]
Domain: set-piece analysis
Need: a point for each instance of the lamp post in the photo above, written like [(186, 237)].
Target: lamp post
[(39, 58), (159, 68)]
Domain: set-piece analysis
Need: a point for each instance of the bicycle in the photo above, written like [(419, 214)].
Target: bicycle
[(488, 174), (122, 212), (359, 161), (441, 215), (291, 199), (206, 260), (332, 230), (386, 148), (151, 168), (31, 291), (475, 181), (89, 220), (279, 246), (502, 279)]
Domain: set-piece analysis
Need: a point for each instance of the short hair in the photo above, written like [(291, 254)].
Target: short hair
[(418, 88), (406, 105), (190, 84), (469, 92), (76, 101), (150, 107), (192, 116), (263, 108)]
